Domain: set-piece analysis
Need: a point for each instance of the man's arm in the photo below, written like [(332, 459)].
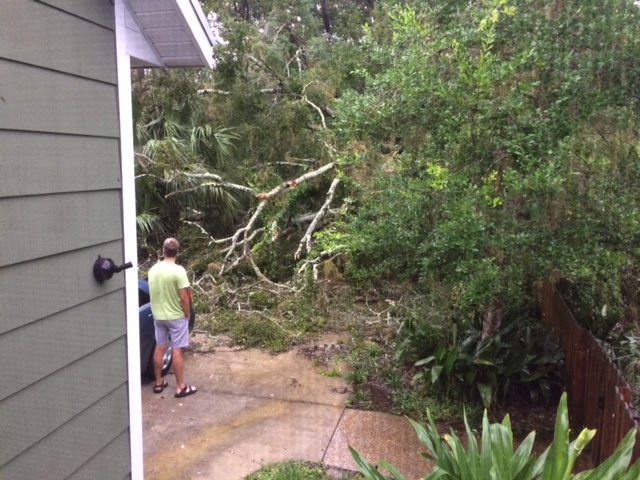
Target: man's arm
[(184, 301)]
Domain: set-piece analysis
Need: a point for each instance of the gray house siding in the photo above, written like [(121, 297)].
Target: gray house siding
[(64, 391)]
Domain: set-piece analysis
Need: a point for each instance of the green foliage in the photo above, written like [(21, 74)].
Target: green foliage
[(381, 378), (516, 131), (520, 359), (290, 470), (480, 145), (494, 456), (179, 157), (275, 321), (148, 223)]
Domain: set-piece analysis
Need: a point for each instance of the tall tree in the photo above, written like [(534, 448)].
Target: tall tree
[(506, 136)]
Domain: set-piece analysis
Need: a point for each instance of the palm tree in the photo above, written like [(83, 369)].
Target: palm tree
[(180, 159)]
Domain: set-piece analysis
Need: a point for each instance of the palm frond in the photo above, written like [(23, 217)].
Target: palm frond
[(149, 223), (214, 145)]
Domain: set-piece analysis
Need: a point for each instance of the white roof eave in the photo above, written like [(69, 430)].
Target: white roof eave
[(168, 33)]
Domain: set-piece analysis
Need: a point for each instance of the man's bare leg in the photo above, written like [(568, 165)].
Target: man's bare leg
[(178, 368), (158, 356)]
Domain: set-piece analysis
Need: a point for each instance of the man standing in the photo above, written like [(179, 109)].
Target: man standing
[(171, 307)]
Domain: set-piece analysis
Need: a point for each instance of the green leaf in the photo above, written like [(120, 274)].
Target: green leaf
[(486, 394), (633, 473), (424, 361), (578, 445), (481, 361), (485, 453), (521, 463), (435, 373), (369, 471), (616, 464), (556, 461), (472, 449), (392, 470), (501, 449)]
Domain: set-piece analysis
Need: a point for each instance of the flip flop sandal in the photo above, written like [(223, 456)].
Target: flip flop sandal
[(186, 391), (160, 388)]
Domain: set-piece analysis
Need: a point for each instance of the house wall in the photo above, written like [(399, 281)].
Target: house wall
[(64, 393)]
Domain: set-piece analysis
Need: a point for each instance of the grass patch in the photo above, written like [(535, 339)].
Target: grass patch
[(250, 329), (276, 321), (294, 470), (273, 320)]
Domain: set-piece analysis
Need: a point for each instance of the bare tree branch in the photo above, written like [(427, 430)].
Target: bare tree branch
[(324, 124), (207, 91), (305, 241), (150, 175), (287, 164), (236, 236), (310, 216), (292, 183), (203, 175), (242, 235), (201, 228), (314, 262), (231, 186), (143, 156), (250, 238)]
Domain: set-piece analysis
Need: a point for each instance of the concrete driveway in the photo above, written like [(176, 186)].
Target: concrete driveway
[(253, 408)]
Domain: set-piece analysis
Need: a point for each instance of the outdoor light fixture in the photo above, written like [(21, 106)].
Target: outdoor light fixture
[(104, 268)]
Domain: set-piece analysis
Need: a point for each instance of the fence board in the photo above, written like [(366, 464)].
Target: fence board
[(599, 397)]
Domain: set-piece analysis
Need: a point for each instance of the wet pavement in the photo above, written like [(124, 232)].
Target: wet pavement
[(253, 408)]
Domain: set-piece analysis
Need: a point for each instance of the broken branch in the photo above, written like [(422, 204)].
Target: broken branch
[(305, 241), (292, 183), (242, 235)]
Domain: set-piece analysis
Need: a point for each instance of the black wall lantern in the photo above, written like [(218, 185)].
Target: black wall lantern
[(104, 268)]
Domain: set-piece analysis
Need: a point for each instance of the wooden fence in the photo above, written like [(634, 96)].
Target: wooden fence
[(598, 396)]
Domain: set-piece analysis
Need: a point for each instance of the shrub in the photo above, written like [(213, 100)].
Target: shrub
[(290, 470), (520, 358), (495, 458)]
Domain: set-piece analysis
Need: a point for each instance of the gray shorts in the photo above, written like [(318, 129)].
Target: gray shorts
[(176, 331)]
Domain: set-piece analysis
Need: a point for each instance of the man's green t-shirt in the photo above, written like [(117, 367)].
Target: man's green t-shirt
[(165, 278)]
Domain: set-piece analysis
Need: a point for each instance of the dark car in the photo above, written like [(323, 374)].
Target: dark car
[(147, 333)]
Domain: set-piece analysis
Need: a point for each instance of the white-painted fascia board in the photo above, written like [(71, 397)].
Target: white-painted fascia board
[(142, 50), (137, 44), (125, 110), (199, 28)]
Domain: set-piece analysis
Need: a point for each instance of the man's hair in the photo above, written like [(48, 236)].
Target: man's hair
[(170, 247)]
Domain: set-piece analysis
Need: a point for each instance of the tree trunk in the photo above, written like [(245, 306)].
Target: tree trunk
[(243, 9), (326, 19), (492, 318), (557, 8)]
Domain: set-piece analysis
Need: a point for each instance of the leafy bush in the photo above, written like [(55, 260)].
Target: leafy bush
[(495, 456), (521, 358), (518, 135)]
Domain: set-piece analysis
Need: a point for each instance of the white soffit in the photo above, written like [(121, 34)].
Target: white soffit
[(168, 33)]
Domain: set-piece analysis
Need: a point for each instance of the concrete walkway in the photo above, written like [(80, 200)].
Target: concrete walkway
[(253, 408)]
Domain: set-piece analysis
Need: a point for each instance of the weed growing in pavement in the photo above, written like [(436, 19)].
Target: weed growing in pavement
[(359, 399), (332, 373)]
